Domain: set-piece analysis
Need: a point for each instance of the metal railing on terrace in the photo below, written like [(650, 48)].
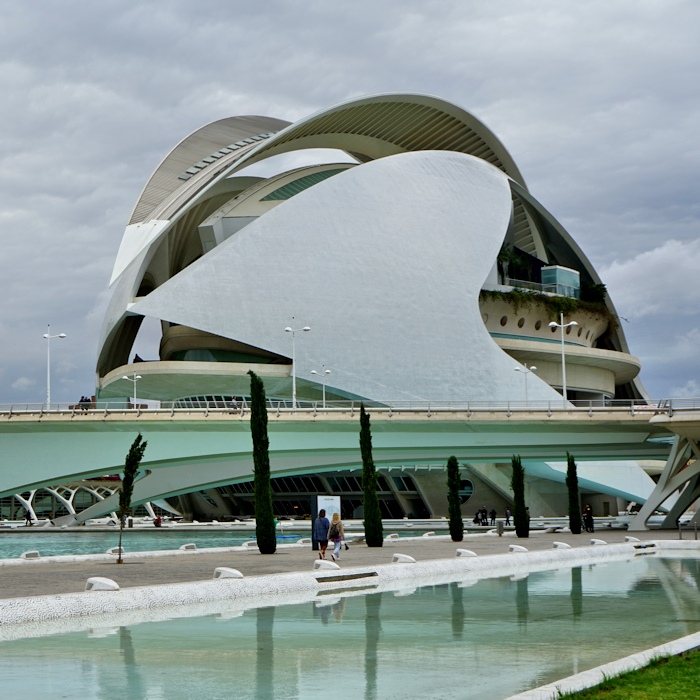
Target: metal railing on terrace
[(561, 290), (279, 406)]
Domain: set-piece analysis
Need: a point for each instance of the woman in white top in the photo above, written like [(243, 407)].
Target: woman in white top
[(336, 534)]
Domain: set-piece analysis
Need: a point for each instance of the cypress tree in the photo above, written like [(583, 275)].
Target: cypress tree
[(454, 507), (131, 469), (264, 514), (521, 518), (574, 500), (374, 532)]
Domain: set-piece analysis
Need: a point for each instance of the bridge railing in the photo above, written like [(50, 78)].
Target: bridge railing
[(279, 406)]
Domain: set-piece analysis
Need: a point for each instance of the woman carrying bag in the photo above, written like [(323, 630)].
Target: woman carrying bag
[(336, 534)]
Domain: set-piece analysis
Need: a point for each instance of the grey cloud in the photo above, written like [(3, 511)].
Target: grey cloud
[(596, 101)]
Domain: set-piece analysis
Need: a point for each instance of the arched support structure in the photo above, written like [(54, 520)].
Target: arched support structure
[(677, 475)]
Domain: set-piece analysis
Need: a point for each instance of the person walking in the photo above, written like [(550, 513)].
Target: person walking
[(336, 534), (493, 515), (321, 526), (508, 517)]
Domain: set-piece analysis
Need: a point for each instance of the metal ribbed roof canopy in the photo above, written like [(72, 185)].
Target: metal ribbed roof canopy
[(367, 128), (198, 145)]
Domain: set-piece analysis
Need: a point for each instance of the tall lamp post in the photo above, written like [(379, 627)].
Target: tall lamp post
[(323, 374), (562, 326), (48, 337), (294, 331), (526, 370), (133, 379)]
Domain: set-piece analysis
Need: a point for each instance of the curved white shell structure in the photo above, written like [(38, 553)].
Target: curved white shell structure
[(384, 258)]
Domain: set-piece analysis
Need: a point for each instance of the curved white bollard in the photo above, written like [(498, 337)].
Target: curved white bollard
[(325, 564), (465, 553), (629, 538), (561, 545), (402, 559), (31, 554), (392, 536), (226, 572), (100, 583), (594, 541), (304, 540), (517, 548), (115, 550), (429, 534), (189, 547)]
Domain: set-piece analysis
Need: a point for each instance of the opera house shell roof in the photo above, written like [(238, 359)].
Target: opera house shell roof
[(408, 253)]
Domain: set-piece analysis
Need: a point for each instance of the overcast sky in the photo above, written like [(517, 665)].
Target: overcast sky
[(598, 102)]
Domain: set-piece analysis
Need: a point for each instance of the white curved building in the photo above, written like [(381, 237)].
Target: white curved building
[(384, 258), (418, 257)]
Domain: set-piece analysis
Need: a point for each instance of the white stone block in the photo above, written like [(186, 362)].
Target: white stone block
[(100, 583), (516, 548), (402, 559), (325, 564), (226, 572), (31, 554)]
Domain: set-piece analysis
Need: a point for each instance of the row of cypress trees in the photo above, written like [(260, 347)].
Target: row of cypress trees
[(374, 532), (521, 516), (264, 514)]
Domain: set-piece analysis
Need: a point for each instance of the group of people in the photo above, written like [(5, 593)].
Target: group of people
[(482, 517), (326, 531), (84, 403)]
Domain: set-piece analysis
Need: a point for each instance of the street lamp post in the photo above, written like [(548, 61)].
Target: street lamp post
[(48, 337), (323, 374), (294, 331), (526, 370), (562, 326), (133, 379)]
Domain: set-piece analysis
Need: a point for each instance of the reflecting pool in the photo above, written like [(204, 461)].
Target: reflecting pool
[(53, 543), (472, 639)]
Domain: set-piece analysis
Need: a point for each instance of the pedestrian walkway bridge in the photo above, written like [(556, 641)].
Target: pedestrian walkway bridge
[(208, 445)]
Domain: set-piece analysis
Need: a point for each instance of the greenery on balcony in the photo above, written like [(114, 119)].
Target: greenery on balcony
[(554, 305)]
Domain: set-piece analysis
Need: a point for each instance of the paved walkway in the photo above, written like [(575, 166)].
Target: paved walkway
[(35, 578)]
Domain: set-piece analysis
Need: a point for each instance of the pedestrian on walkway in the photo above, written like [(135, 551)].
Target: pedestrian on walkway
[(336, 534), (321, 526)]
